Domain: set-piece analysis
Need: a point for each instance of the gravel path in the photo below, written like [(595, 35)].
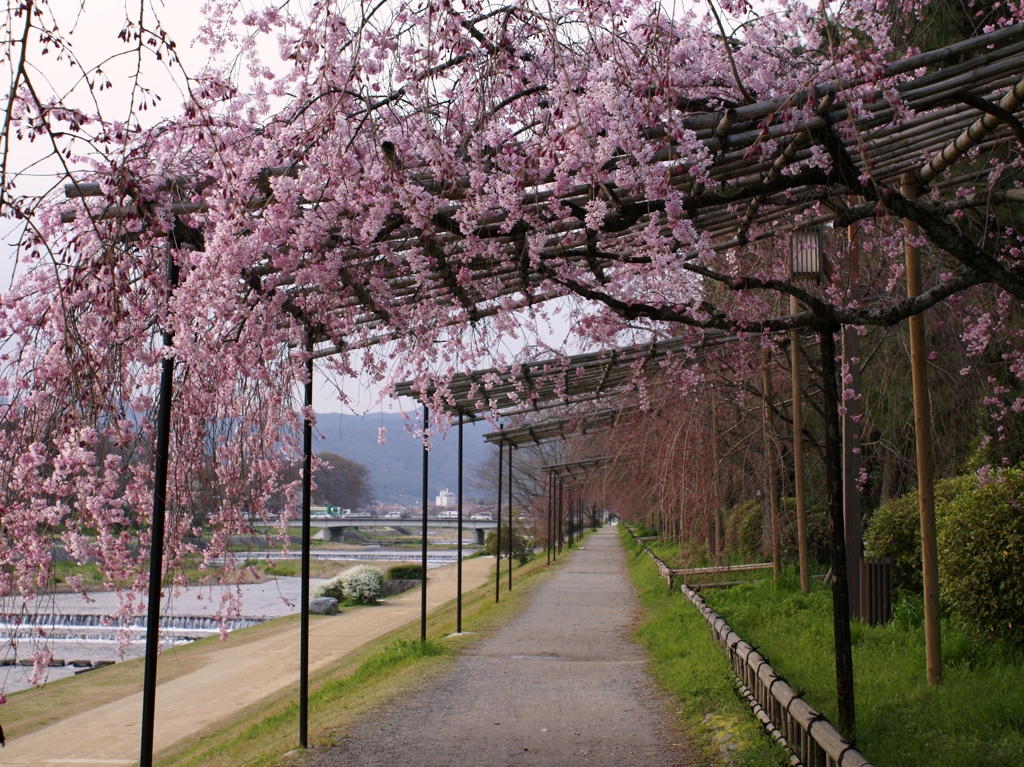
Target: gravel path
[(559, 686)]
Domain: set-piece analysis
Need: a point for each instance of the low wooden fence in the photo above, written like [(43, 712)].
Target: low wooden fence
[(807, 736), (689, 572), (802, 731), (664, 571)]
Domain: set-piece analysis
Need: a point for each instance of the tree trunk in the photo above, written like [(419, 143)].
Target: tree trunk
[(834, 494)]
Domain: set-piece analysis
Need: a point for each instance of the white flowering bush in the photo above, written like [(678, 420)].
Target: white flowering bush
[(330, 588), (362, 584)]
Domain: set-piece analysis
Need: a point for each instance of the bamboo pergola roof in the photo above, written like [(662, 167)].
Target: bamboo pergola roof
[(552, 429), (749, 193), (555, 382)]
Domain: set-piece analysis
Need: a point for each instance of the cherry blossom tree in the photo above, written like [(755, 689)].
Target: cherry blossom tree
[(431, 174)]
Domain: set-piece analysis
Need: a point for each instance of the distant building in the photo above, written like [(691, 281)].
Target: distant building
[(444, 499)]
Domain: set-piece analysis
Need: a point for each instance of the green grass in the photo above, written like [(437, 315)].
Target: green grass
[(689, 665), (268, 731), (974, 719)]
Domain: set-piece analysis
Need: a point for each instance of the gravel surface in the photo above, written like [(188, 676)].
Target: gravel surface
[(561, 685)]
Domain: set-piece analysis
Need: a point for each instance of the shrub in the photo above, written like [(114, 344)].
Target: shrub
[(330, 588), (819, 545), (362, 584), (981, 555), (744, 531), (894, 531), (521, 548), (404, 573)]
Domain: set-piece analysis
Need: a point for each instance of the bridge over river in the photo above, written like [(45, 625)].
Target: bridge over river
[(333, 527)]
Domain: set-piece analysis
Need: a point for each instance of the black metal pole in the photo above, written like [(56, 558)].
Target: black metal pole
[(567, 517), (497, 542), (156, 544), (307, 490), (423, 549), (550, 533), (458, 579), (510, 536), (561, 509), (572, 511)]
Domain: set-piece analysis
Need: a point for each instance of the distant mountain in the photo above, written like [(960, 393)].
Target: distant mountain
[(396, 467)]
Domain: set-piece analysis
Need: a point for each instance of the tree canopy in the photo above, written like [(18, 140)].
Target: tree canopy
[(340, 482), (401, 188)]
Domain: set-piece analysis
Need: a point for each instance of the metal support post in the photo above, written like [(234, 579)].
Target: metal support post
[(511, 537), (561, 507), (458, 577), (307, 489), (497, 541), (156, 555), (423, 530), (550, 531)]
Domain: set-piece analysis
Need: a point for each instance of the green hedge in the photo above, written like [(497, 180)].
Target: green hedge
[(894, 531), (981, 555), (404, 573), (818, 540), (744, 531), (980, 531)]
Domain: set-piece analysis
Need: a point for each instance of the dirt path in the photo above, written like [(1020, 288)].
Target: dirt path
[(239, 674), (561, 685)]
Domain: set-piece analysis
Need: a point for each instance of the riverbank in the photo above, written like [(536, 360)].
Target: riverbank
[(199, 684)]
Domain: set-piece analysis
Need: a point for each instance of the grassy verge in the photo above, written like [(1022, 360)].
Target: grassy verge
[(380, 673), (690, 666), (974, 719)]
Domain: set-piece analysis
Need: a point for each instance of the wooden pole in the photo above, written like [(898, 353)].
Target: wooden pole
[(851, 442), (923, 431), (769, 453), (798, 454), (714, 552)]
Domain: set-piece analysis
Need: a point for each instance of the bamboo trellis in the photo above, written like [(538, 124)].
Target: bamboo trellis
[(749, 193), (551, 429), (556, 382)]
